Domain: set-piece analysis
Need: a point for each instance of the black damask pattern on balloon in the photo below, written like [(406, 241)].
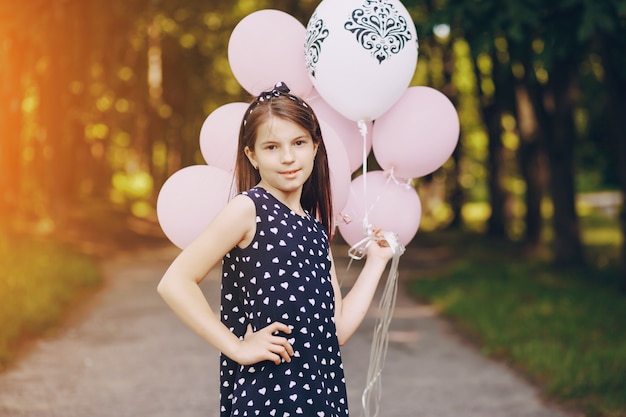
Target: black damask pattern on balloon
[(379, 28), (316, 33)]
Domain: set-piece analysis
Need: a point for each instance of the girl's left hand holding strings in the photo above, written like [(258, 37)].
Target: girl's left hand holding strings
[(379, 248)]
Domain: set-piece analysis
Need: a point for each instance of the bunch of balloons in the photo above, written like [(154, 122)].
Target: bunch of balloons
[(353, 64)]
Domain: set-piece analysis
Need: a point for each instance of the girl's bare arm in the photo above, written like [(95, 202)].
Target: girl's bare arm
[(351, 309), (234, 225)]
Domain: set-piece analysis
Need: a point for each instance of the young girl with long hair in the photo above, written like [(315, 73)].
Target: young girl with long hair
[(282, 315)]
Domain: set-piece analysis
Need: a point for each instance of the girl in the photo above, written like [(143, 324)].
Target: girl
[(283, 316)]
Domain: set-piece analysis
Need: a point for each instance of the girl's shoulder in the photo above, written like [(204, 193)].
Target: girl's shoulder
[(256, 193), (247, 202), (259, 196), (240, 206)]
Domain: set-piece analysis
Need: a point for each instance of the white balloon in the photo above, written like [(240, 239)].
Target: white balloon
[(361, 55)]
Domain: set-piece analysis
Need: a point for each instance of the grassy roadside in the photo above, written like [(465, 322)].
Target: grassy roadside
[(38, 282), (565, 329), (43, 280)]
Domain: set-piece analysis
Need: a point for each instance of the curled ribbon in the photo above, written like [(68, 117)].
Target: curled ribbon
[(372, 393)]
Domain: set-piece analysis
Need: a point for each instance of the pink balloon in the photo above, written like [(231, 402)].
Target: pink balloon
[(382, 203), (348, 130), (219, 135), (266, 47), (189, 200), (339, 167), (417, 135)]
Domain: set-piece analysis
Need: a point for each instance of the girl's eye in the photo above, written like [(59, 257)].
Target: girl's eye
[(270, 147), (300, 142)]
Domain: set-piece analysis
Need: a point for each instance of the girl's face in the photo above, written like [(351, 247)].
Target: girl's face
[(284, 154)]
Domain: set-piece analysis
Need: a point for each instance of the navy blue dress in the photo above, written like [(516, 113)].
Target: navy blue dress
[(282, 275)]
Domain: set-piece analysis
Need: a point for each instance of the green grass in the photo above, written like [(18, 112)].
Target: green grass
[(38, 282), (565, 329)]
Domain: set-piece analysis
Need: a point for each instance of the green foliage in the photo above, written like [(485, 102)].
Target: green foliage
[(563, 328), (38, 281), (103, 101)]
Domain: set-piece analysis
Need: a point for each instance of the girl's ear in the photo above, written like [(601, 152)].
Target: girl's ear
[(250, 155)]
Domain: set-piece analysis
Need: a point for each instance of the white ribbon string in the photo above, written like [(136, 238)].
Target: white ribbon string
[(372, 393), (363, 129)]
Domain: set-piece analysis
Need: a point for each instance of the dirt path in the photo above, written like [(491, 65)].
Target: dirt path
[(129, 356)]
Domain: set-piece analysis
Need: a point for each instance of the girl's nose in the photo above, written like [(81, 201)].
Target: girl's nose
[(287, 156)]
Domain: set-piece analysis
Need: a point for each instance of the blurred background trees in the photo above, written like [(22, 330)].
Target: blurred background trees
[(100, 102)]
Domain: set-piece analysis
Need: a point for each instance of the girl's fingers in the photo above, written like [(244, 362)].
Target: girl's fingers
[(381, 242), (278, 327), (278, 347), (290, 350), (281, 352), (273, 357), (282, 347)]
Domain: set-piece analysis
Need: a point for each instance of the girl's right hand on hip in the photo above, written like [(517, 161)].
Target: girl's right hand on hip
[(265, 345)]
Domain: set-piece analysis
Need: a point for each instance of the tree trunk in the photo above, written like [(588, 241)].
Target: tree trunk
[(531, 166), (496, 223), (616, 85), (621, 149), (453, 188), (456, 196), (11, 96), (560, 139), (493, 108), (54, 87)]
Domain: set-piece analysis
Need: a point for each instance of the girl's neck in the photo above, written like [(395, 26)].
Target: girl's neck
[(291, 199)]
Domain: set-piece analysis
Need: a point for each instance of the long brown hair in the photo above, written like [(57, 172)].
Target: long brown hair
[(316, 193)]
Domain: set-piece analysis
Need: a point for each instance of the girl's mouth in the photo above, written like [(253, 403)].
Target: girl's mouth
[(290, 173)]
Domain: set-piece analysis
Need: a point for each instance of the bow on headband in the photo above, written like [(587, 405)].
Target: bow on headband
[(279, 88)]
